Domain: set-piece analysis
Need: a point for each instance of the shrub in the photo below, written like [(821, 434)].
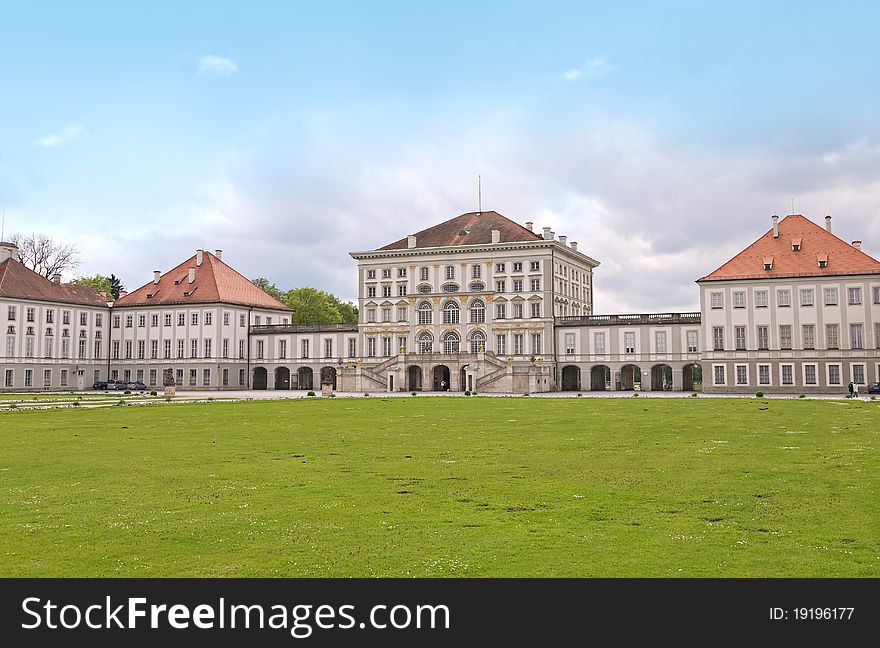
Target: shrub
[(366, 395), (127, 392), (311, 393), (635, 395), (580, 395), (694, 395), (75, 403), (13, 406), (526, 394), (467, 392), (153, 393), (759, 394), (802, 396), (414, 394), (168, 399)]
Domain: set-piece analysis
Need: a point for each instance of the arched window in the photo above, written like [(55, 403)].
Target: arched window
[(426, 342), (450, 313), (478, 311), (477, 286), (478, 340), (426, 312), (450, 342), (425, 289)]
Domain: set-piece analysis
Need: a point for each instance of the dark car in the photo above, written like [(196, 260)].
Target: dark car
[(136, 385), (874, 388), (101, 384)]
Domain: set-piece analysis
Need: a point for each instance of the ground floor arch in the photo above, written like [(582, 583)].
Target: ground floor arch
[(282, 378), (414, 378), (571, 378), (260, 378), (630, 378), (328, 376), (305, 378), (441, 378), (661, 377), (692, 377), (600, 378)]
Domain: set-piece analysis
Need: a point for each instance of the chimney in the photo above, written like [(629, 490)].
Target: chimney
[(828, 222), (529, 225), (122, 293), (574, 245), (56, 278), (496, 236), (199, 254), (775, 220), (552, 236), (857, 245), (192, 275), (8, 251), (546, 233), (156, 274), (563, 239), (218, 254), (411, 241)]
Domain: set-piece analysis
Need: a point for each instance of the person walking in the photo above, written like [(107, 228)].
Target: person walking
[(443, 386), (851, 389)]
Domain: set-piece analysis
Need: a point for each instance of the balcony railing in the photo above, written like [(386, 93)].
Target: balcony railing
[(629, 320), (304, 328)]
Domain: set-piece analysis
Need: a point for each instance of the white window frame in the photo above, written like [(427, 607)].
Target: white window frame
[(715, 368)]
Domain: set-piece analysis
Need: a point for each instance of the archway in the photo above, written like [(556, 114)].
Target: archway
[(630, 378), (260, 378), (571, 378), (600, 378), (441, 378), (282, 378), (661, 378), (414, 378), (305, 378), (692, 378), (328, 376), (462, 380)]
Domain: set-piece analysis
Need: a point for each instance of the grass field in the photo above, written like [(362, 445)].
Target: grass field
[(443, 487)]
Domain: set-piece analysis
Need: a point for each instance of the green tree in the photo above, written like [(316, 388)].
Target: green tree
[(269, 288), (98, 283), (116, 286)]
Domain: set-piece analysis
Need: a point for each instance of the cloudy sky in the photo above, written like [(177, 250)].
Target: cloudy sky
[(660, 136)]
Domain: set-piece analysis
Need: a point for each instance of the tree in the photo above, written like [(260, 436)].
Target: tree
[(44, 255), (271, 289), (311, 306), (111, 285)]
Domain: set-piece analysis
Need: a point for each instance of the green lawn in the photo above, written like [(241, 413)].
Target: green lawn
[(443, 487)]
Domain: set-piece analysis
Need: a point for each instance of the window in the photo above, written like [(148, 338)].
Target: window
[(877, 335), (386, 314), (760, 299), (241, 344), (739, 300), (425, 342), (425, 312), (834, 374), (478, 312), (424, 289), (806, 296), (660, 341), (718, 338), (501, 344), (65, 317), (535, 309), (401, 272), (97, 354), (28, 377), (809, 336), (129, 321), (517, 266), (166, 349), (858, 373), (692, 341), (115, 350), (876, 291), (193, 376), (499, 267), (717, 300), (29, 347), (167, 319), (180, 349), (209, 318), (154, 349), (536, 285), (854, 296), (450, 313), (830, 296), (225, 319), (206, 377), (855, 336), (518, 310), (763, 338), (47, 377), (809, 374), (371, 274), (476, 270), (208, 349), (154, 320), (241, 320), (401, 290), (569, 343), (536, 344), (478, 342), (181, 319), (535, 266), (352, 347), (30, 314), (763, 374), (328, 348), (194, 348), (501, 285), (304, 348), (241, 377), (142, 321), (386, 346), (141, 349), (401, 313), (718, 374), (10, 315), (178, 377), (629, 342), (739, 335), (450, 272), (260, 349), (371, 291), (787, 374), (785, 336), (783, 298), (451, 342), (599, 343), (50, 316), (9, 380), (386, 291), (832, 336), (517, 285), (500, 311), (47, 347), (742, 375)]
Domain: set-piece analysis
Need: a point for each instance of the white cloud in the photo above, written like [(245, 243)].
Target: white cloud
[(69, 135), (597, 67), (217, 65), (572, 75)]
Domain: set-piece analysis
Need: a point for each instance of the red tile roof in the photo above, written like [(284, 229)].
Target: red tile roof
[(816, 243), (215, 282), (473, 228), (17, 281)]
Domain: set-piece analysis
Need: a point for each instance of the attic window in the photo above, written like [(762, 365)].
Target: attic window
[(187, 293), (768, 263), (796, 245), (464, 232), (823, 260)]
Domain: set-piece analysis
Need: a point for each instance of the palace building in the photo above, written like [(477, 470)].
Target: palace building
[(476, 303)]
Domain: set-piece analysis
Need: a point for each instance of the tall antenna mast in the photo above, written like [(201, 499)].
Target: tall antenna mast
[(479, 194)]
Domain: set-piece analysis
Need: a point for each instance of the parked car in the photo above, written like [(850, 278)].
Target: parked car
[(136, 385), (101, 384), (874, 388)]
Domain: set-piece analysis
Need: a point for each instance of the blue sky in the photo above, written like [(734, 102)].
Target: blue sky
[(660, 136)]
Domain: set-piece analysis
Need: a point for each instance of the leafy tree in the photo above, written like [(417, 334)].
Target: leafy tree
[(98, 283), (263, 284), (310, 305), (44, 255)]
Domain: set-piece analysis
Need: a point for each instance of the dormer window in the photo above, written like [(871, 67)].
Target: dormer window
[(768, 263), (796, 245), (823, 260)]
